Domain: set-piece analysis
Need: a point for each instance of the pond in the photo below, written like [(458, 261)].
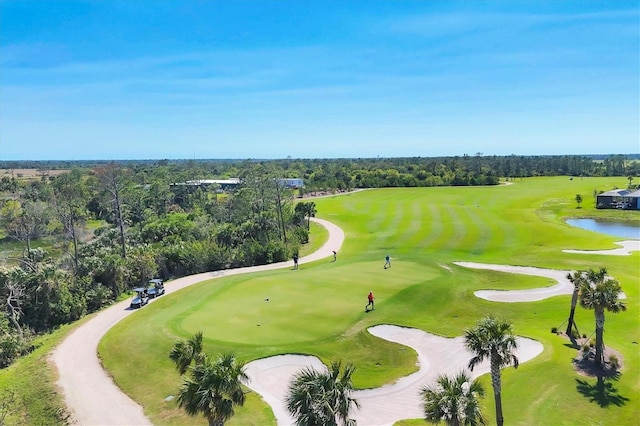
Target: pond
[(609, 227)]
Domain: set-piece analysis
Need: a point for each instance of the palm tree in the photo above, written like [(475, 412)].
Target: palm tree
[(492, 339), (306, 210), (453, 400), (576, 279), (185, 352), (600, 293), (322, 398), (213, 389), (310, 211)]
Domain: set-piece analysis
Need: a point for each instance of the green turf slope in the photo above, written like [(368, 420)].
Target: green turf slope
[(319, 309)]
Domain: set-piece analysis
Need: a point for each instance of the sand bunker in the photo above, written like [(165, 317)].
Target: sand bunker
[(563, 287), (625, 250), (388, 404)]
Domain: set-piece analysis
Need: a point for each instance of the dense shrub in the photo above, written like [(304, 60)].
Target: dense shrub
[(174, 224), (97, 296), (12, 344)]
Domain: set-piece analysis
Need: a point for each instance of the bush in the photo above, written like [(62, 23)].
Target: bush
[(585, 348), (98, 296), (554, 330), (300, 235), (613, 361), (13, 346)]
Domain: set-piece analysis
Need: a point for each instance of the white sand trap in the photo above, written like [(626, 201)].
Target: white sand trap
[(626, 249), (563, 287), (388, 404)]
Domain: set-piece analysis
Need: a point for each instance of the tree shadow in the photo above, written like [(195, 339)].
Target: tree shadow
[(602, 392), (573, 345)]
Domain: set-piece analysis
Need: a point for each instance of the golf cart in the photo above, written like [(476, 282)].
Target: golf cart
[(156, 288), (140, 299)]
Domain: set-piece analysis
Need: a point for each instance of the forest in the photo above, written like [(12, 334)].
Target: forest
[(76, 241)]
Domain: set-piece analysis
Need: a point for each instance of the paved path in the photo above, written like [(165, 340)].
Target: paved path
[(90, 394)]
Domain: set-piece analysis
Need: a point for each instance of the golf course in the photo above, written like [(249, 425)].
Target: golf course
[(318, 309)]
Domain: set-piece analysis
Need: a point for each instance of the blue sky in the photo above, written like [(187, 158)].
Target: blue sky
[(317, 79)]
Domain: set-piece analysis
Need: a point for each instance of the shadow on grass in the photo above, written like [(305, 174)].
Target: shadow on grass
[(602, 392)]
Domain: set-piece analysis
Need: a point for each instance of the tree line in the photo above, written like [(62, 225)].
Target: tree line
[(344, 174), (83, 239)]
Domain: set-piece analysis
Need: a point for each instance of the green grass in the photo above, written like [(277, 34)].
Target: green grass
[(318, 309), (11, 250), (94, 224), (32, 382)]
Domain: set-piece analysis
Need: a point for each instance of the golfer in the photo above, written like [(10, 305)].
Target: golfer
[(295, 261), (387, 263), (371, 299), (335, 255)]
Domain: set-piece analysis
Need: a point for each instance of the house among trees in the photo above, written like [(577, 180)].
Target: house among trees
[(627, 199), (291, 183), (232, 183), (224, 184)]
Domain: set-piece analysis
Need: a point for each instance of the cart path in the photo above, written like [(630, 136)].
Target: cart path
[(90, 394)]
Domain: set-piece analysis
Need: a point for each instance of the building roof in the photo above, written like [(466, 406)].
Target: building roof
[(615, 193), (199, 182), (626, 193), (232, 181)]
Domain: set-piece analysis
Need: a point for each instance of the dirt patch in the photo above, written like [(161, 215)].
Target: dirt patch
[(30, 174), (320, 194), (584, 361)]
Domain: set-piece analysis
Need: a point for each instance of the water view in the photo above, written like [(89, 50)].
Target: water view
[(609, 227)]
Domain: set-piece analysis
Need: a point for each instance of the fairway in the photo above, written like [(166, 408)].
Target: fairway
[(319, 309)]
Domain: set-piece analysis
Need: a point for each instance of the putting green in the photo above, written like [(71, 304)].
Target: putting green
[(302, 305)]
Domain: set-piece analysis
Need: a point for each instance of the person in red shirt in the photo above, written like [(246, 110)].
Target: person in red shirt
[(371, 299)]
